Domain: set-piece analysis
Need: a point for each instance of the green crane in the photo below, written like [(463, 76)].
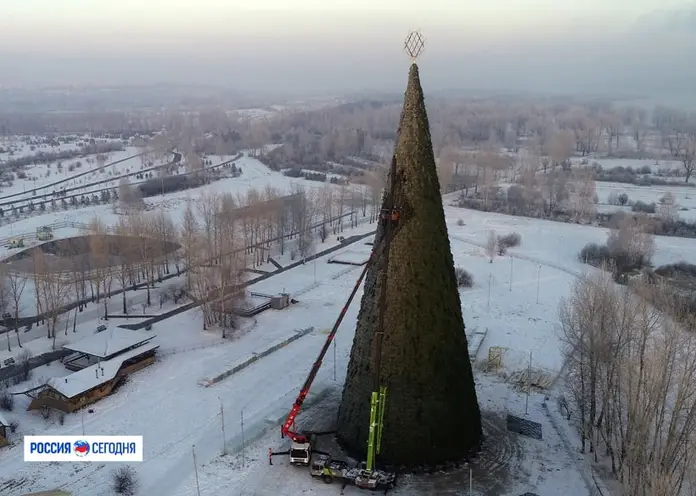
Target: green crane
[(390, 216)]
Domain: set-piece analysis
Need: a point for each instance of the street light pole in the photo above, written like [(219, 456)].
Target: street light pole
[(195, 469), (222, 417), (243, 443), (490, 276)]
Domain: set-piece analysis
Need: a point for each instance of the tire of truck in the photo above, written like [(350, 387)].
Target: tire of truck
[(327, 479)]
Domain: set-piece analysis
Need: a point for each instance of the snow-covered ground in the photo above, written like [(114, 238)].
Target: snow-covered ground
[(254, 175), (685, 197), (43, 175), (36, 342), (511, 315), (167, 404), (634, 163), (20, 146)]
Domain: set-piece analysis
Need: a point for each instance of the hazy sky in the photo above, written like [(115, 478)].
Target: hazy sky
[(339, 45)]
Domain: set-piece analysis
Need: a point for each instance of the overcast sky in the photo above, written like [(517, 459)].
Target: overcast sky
[(343, 45)]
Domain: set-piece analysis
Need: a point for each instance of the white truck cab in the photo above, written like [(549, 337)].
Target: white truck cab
[(300, 453)]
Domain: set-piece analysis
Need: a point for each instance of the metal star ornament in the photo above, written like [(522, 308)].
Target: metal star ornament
[(414, 45)]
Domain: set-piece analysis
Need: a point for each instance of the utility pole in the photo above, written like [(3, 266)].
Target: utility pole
[(490, 276), (538, 279), (511, 259), (243, 443), (529, 385), (222, 417), (471, 482), (195, 469), (334, 360), (83, 420)]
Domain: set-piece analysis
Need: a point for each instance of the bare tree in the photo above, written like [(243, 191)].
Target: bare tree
[(584, 192), (667, 209), (125, 259), (5, 302), (140, 227), (16, 281), (129, 197), (52, 290), (632, 240), (189, 241), (687, 154), (491, 246), (561, 147), (100, 253), (632, 375)]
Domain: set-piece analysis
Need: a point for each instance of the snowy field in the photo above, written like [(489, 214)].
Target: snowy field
[(635, 164), (20, 146), (42, 176), (254, 175), (515, 299), (265, 390), (685, 197)]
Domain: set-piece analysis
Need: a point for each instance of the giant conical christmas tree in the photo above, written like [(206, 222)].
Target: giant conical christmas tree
[(432, 414)]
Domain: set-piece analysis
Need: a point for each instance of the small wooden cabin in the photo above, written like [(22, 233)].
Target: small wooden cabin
[(72, 392), (4, 431)]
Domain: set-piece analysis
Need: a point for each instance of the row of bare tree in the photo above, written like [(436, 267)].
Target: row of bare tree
[(632, 374), (215, 242)]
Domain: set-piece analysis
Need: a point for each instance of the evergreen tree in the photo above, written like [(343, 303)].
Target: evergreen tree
[(432, 414)]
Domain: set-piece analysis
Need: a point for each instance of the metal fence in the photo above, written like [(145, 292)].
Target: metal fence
[(11, 371)]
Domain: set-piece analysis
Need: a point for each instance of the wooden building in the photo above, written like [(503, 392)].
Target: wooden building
[(101, 362), (4, 431)]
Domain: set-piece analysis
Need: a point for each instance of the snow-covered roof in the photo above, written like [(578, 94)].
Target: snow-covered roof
[(107, 343), (91, 377), (3, 420)]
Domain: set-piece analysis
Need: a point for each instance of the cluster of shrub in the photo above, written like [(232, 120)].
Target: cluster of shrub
[(642, 176), (464, 277), (314, 176), (168, 184), (516, 201), (678, 291)]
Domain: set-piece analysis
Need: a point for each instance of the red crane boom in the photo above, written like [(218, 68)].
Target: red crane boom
[(287, 429)]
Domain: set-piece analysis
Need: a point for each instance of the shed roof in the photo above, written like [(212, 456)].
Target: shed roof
[(3, 420), (107, 343), (90, 377)]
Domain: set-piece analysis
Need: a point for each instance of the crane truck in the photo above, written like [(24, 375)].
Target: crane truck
[(366, 476), (301, 447), (302, 443)]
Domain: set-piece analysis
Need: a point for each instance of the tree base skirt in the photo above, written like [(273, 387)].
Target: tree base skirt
[(444, 467)]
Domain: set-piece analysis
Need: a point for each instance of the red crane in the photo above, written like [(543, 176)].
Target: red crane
[(301, 449)]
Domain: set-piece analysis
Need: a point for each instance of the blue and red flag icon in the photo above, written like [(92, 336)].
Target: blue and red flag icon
[(81, 448)]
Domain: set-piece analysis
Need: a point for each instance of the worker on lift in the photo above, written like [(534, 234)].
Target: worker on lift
[(390, 214)]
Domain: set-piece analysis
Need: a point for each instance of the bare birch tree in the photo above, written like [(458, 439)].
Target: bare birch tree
[(16, 281), (491, 246)]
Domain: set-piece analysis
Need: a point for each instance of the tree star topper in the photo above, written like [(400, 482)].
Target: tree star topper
[(414, 45)]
